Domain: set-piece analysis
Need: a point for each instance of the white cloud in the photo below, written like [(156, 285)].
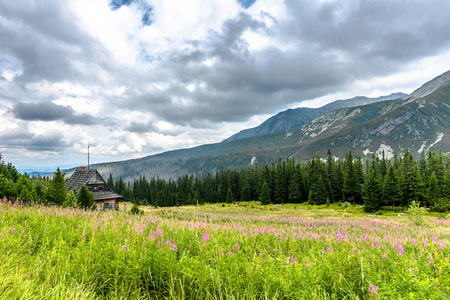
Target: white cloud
[(201, 71)]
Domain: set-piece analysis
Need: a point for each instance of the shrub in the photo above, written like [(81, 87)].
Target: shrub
[(441, 205), (416, 213), (135, 210)]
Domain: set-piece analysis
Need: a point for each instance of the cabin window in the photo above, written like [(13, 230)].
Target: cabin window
[(100, 188), (105, 206)]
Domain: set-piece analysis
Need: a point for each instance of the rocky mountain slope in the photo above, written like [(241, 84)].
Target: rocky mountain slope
[(419, 122), (293, 118)]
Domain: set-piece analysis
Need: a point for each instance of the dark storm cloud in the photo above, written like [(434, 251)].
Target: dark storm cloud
[(332, 44), (48, 111), (393, 31), (22, 138)]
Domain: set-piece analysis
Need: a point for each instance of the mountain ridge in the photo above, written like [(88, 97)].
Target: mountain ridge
[(296, 117)]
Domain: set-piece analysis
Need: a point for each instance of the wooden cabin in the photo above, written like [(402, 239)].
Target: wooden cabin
[(105, 198)]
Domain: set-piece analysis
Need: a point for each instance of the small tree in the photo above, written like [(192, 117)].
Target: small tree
[(56, 192), (416, 213), (85, 198), (135, 210), (71, 199)]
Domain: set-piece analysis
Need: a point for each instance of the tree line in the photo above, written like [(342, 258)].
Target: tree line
[(371, 182), (44, 190)]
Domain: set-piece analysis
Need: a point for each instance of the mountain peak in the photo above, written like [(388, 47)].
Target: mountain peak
[(296, 117), (429, 87)]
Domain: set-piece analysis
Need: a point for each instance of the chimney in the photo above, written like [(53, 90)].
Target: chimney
[(82, 169)]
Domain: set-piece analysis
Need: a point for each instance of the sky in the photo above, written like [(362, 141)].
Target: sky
[(133, 78)]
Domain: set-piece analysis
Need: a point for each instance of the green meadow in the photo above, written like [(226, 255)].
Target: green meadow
[(227, 251)]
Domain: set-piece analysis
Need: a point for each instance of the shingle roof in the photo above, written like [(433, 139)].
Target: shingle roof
[(80, 178), (106, 195), (90, 177)]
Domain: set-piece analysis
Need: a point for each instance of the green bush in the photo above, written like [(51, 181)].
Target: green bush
[(441, 205), (135, 210), (417, 213)]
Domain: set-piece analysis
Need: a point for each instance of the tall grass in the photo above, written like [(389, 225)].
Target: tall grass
[(59, 253)]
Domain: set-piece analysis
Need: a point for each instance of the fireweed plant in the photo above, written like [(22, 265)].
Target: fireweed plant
[(51, 252)]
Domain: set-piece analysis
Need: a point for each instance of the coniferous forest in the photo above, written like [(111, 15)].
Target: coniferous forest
[(371, 182)]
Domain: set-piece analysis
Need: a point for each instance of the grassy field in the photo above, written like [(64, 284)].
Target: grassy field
[(232, 251)]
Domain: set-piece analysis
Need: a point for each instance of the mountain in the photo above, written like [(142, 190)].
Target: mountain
[(419, 122), (293, 118)]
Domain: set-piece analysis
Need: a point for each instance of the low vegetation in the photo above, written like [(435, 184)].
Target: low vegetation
[(221, 251)]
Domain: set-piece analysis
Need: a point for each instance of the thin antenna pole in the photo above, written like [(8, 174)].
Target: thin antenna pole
[(88, 155)]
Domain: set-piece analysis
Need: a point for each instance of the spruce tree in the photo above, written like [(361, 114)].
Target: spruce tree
[(246, 194), (85, 198), (264, 195), (6, 188), (409, 184), (391, 189), (433, 193), (372, 189), (229, 197), (295, 195), (352, 187), (57, 191), (110, 182), (281, 190)]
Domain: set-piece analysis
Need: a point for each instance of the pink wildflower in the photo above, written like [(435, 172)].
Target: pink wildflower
[(373, 290)]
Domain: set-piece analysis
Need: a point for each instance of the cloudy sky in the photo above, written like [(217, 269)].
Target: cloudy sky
[(139, 77)]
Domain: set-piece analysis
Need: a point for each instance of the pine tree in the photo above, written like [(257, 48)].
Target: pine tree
[(409, 184), (110, 182), (281, 190), (352, 187), (57, 191), (295, 195), (264, 195), (391, 189), (383, 165), (85, 198), (229, 197), (246, 193), (71, 199), (359, 170), (335, 178), (6, 188), (433, 190), (372, 189)]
